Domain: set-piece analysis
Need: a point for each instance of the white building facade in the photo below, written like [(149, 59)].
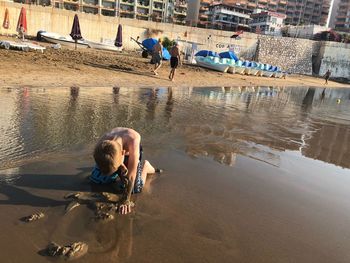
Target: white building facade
[(229, 17), (267, 23)]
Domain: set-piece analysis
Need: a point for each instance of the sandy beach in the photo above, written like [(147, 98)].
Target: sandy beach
[(67, 67)]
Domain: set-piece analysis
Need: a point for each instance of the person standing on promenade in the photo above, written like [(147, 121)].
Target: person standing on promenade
[(157, 56), (327, 75), (174, 60)]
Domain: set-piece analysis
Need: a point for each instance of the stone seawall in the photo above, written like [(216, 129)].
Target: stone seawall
[(291, 54), (335, 57)]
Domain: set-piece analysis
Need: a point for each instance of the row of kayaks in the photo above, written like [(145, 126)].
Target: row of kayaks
[(68, 41), (240, 67)]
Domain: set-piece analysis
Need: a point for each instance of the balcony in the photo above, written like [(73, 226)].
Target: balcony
[(157, 9), (181, 5), (179, 13), (90, 5), (108, 8), (90, 2), (143, 6), (126, 11), (142, 15), (127, 3)]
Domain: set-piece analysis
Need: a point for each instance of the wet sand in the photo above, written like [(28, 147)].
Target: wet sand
[(248, 176), (260, 214), (66, 67)]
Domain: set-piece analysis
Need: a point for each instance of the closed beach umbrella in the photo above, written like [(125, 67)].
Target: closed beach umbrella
[(119, 39), (6, 23), (75, 33), (22, 21)]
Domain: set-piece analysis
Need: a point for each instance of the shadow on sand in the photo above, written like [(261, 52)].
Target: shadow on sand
[(16, 195), (122, 69)]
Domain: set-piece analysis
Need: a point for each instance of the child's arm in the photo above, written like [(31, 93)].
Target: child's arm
[(134, 153)]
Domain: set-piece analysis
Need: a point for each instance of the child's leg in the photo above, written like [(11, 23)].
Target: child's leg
[(147, 169)]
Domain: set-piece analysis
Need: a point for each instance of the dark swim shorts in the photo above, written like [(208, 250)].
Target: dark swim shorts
[(174, 62), (156, 58)]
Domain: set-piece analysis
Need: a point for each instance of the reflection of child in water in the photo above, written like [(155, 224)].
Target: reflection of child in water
[(119, 153)]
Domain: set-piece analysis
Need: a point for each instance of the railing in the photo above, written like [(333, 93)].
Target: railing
[(127, 2)]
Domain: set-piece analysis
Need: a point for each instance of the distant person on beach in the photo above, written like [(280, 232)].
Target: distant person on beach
[(157, 56), (118, 153), (174, 60), (327, 75), (21, 31)]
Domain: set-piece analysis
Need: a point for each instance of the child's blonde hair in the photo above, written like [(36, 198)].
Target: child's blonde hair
[(108, 156)]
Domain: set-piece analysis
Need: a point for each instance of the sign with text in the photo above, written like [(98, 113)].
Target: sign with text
[(232, 47)]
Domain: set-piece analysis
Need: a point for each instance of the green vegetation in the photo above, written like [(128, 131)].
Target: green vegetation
[(167, 43)]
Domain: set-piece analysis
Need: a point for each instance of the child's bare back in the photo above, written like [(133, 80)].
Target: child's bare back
[(120, 150)]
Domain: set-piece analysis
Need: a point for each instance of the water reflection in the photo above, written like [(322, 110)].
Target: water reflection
[(258, 122)]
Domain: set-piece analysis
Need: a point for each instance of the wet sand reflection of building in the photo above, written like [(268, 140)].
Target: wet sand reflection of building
[(169, 104), (330, 143)]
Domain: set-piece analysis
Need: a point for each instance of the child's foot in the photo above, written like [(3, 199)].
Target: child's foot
[(158, 170)]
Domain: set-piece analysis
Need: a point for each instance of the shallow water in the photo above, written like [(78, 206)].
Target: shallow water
[(253, 174), (258, 122)]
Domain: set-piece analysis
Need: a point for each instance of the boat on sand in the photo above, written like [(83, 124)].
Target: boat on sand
[(211, 63), (103, 46), (62, 40)]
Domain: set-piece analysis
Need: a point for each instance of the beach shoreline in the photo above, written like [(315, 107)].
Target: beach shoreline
[(95, 68)]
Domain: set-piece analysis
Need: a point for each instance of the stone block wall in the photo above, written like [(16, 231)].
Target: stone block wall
[(291, 54), (335, 57)]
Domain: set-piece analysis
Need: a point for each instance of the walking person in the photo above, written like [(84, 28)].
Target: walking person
[(174, 60), (327, 75), (157, 56)]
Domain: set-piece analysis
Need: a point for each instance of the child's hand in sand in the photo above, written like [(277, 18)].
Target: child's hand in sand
[(125, 208)]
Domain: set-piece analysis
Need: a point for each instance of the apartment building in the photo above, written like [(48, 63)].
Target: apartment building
[(267, 22), (342, 16), (333, 12), (177, 12), (298, 12), (229, 17), (173, 11), (198, 11)]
